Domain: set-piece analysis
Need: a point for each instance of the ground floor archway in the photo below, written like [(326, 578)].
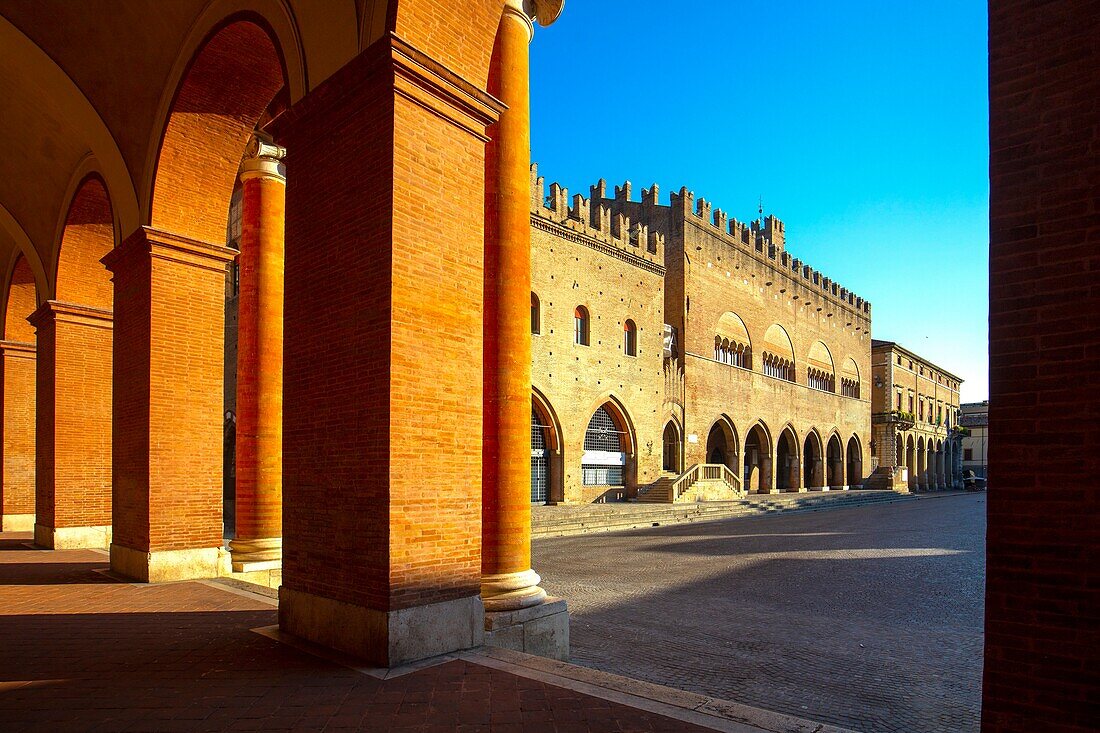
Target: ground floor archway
[(787, 473), (854, 463), (758, 463)]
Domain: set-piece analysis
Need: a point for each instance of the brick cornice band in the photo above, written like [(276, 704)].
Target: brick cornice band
[(159, 244)]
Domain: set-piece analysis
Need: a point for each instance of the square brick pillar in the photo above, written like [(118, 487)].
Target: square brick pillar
[(73, 437), (17, 374), (382, 358), (169, 309)]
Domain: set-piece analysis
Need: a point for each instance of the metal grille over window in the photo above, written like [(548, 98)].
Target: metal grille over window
[(539, 454), (602, 433), (604, 459)]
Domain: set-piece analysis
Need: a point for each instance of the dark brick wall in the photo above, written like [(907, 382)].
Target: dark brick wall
[(1043, 575)]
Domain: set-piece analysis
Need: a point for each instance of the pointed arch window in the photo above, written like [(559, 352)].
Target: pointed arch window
[(536, 314)]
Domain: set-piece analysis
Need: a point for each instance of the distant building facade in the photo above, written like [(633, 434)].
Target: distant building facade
[(669, 336), (974, 418), (914, 418)]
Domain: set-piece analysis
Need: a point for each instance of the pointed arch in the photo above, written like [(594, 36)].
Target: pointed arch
[(672, 447), (542, 405), (722, 444), (834, 457), (854, 462), (608, 459), (621, 416), (758, 458), (547, 476), (813, 460), (788, 454)]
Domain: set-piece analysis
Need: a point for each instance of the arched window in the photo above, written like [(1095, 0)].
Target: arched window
[(536, 314), (580, 325), (604, 457), (630, 338)]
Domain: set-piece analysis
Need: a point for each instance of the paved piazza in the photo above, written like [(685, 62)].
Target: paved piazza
[(867, 618)]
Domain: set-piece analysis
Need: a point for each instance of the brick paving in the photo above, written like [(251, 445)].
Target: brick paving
[(80, 651), (868, 618)]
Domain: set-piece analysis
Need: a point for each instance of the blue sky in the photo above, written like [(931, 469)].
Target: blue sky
[(862, 124)]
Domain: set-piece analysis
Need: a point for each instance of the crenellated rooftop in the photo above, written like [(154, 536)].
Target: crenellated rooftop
[(644, 225)]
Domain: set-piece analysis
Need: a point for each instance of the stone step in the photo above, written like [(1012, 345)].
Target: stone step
[(558, 521)]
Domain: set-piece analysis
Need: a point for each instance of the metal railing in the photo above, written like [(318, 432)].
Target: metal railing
[(704, 471)]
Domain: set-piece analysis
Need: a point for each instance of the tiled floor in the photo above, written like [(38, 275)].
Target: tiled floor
[(80, 651)]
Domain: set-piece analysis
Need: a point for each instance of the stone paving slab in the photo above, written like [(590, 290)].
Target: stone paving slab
[(82, 651), (868, 618)]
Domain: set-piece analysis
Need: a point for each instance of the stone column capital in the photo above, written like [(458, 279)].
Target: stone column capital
[(265, 160)]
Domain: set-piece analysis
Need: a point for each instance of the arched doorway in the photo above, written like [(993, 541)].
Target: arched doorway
[(670, 449), (835, 462), (855, 463), (606, 453), (758, 464), (813, 466), (922, 465), (911, 462), (787, 473)]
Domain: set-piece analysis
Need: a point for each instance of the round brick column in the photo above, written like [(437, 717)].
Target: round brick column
[(508, 582), (259, 495)]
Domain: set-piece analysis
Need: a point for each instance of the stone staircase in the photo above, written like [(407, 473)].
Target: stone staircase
[(562, 520), (701, 482), (883, 479)]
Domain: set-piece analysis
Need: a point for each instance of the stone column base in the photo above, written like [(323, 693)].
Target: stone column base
[(160, 566), (73, 538), (382, 638), (770, 491), (542, 630), (250, 556), (17, 523), (801, 490)]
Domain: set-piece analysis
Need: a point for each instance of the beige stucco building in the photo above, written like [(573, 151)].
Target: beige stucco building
[(915, 417)]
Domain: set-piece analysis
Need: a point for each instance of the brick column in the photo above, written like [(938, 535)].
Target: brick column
[(517, 609), (259, 497), (73, 444), (382, 408), (169, 307), (17, 373)]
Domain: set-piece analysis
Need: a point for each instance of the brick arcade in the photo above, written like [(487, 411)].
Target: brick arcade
[(128, 135)]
